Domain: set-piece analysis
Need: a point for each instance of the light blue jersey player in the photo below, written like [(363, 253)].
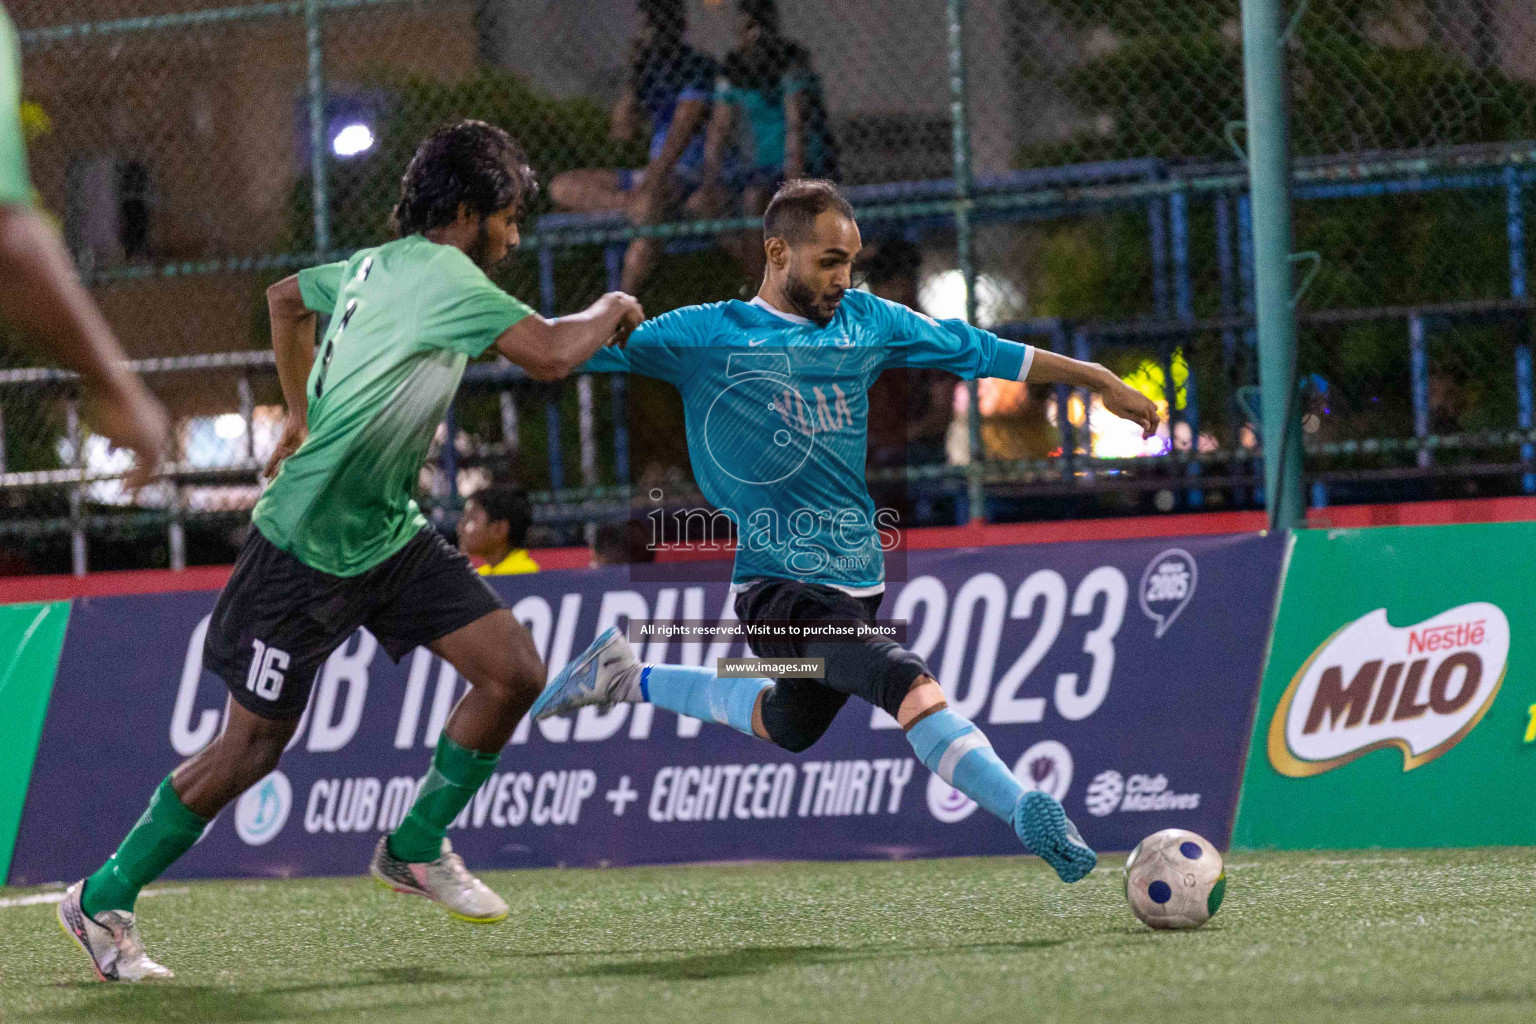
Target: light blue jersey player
[(777, 406), (775, 393)]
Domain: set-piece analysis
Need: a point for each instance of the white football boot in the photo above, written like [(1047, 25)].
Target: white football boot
[(605, 674), (445, 880), (111, 939)]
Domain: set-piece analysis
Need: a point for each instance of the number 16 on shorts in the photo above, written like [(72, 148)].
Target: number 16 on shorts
[(265, 678)]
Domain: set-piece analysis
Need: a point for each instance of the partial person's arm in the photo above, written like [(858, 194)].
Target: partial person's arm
[(685, 121), (1118, 396), (794, 130), (293, 344), (665, 347), (722, 119), (621, 119), (552, 349), (954, 345), (42, 297)]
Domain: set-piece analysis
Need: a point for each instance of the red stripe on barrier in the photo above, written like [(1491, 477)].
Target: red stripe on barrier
[(1425, 513), (112, 584)]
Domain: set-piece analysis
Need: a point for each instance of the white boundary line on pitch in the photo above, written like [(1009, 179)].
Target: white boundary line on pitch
[(58, 897)]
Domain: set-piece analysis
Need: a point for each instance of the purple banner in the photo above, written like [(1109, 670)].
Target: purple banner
[(1119, 676)]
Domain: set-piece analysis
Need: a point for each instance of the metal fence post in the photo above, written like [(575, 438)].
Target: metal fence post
[(176, 530), (77, 462), (1418, 364), (314, 49), (1184, 309), (620, 385), (1250, 336), (1064, 393), (960, 138), (551, 397), (508, 406), (247, 414), (1514, 216), (1226, 275), (586, 436), (448, 454), (1269, 178)]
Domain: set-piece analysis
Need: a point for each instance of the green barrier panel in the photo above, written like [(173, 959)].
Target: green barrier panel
[(31, 638), (1396, 706)]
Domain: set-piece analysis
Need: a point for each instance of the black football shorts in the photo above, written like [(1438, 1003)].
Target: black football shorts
[(278, 619)]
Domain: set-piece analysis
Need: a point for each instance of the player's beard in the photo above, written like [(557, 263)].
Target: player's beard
[(480, 249), (804, 300)]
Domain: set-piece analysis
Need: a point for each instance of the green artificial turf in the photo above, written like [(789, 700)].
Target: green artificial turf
[(1377, 936)]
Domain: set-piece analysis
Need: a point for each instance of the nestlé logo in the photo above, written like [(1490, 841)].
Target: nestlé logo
[(1419, 688)]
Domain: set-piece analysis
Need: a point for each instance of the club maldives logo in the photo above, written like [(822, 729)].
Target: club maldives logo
[(262, 810), (1371, 685)]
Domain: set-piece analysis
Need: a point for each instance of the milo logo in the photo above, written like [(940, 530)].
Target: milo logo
[(1418, 688)]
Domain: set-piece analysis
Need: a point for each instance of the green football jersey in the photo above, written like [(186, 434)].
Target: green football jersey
[(405, 318), (15, 186)]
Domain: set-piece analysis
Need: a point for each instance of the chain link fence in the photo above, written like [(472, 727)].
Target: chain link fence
[(1092, 200)]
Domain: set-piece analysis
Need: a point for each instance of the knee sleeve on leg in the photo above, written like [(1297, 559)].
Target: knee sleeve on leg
[(880, 671), (902, 669), (797, 715)]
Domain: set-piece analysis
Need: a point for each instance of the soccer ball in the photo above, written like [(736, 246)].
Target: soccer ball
[(1174, 879)]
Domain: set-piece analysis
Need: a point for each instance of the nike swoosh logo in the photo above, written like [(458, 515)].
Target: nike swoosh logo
[(756, 342)]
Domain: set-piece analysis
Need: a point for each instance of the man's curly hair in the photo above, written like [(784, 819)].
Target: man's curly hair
[(470, 162)]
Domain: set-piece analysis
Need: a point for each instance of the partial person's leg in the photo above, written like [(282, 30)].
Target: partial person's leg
[(957, 751), (640, 259), (952, 747), (497, 655), (440, 603), (649, 203), (754, 259), (590, 190), (243, 753), (97, 912), (608, 673), (792, 713)]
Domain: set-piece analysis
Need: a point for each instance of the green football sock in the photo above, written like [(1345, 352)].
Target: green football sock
[(455, 775), (166, 830)]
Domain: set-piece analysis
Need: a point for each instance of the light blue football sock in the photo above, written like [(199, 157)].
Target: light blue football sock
[(699, 693), (960, 754)]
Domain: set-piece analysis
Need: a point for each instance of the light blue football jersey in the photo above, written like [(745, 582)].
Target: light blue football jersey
[(777, 410)]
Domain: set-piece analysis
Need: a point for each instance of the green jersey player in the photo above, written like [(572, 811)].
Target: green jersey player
[(338, 541)]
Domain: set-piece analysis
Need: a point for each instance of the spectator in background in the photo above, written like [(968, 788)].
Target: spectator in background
[(769, 80), (909, 408), (622, 543), (494, 530), (670, 85)]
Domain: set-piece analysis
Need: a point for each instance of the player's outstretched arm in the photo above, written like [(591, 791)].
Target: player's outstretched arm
[(293, 343), (43, 298), (552, 349), (1119, 397)]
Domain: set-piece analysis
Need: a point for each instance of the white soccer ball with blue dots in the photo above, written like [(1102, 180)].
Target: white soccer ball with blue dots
[(1174, 879)]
